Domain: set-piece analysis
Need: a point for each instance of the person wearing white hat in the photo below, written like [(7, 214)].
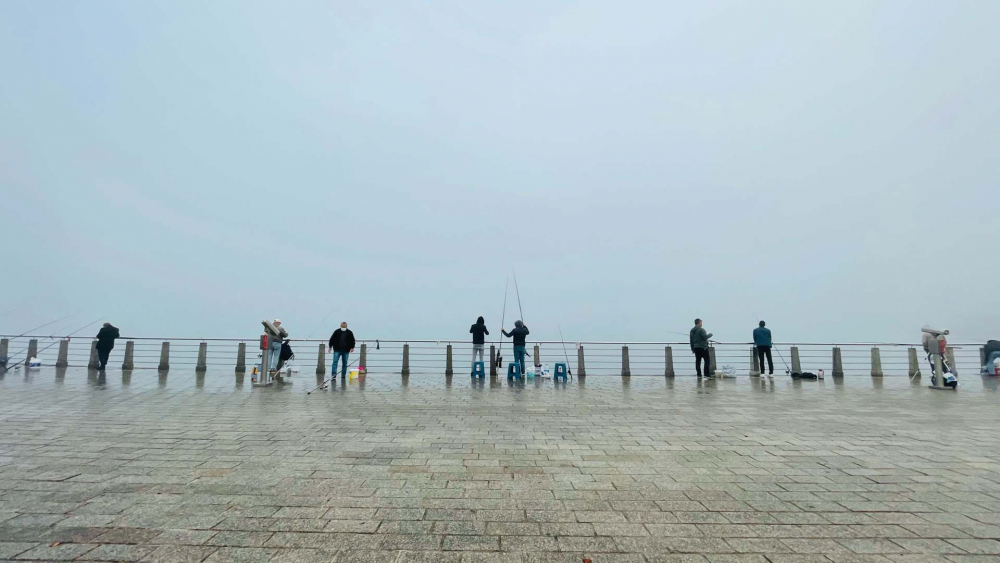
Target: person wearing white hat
[(275, 338)]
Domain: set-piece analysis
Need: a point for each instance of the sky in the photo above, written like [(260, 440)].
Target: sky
[(185, 168)]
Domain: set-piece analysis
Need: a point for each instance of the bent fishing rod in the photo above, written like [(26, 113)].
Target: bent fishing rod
[(503, 318), (58, 341), (36, 328)]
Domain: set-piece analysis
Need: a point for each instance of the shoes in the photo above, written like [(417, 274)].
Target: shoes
[(770, 376)]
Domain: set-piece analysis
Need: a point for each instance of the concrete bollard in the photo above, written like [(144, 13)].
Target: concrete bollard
[(363, 360), (949, 353), (93, 363), (876, 363), (321, 360), (796, 363), (755, 367), (838, 362), (914, 363), (32, 351), (406, 360), (4, 347), (63, 359), (538, 357), (241, 358), (449, 366), (711, 360), (129, 362), (164, 357), (202, 364), (493, 360), (982, 356), (626, 371), (581, 368), (668, 360)]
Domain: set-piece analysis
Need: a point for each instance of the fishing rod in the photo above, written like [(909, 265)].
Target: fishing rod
[(313, 331), (568, 370), (36, 328), (58, 341), (333, 376), (503, 317), (519, 309)]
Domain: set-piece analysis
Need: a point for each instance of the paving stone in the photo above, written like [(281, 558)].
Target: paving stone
[(118, 552), (59, 552)]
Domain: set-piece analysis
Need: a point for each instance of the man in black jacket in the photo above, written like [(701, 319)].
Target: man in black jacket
[(479, 333), (342, 345), (105, 343), (519, 334)]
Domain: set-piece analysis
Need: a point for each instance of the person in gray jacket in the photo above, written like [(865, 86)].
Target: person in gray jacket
[(699, 345)]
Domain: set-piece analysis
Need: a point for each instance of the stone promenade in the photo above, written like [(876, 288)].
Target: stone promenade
[(147, 467)]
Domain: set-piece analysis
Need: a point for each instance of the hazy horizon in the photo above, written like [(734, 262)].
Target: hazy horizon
[(185, 169)]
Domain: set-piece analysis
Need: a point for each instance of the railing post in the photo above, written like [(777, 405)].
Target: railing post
[(241, 358), (493, 360), (914, 363), (982, 357), (838, 362), (93, 363), (363, 360), (950, 354), (876, 363), (449, 368), (165, 358), (711, 360), (626, 372), (581, 368), (668, 360), (755, 368), (796, 364), (129, 362), (202, 364), (4, 347), (32, 351), (406, 360), (538, 357), (63, 359), (321, 360)]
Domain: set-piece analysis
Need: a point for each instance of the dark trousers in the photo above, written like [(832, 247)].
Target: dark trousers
[(102, 356), (699, 354), (762, 352)]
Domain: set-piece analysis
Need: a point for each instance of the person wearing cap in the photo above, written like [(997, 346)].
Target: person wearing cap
[(342, 345), (519, 334), (275, 338)]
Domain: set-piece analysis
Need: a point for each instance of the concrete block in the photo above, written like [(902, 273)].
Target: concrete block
[(754, 362), (581, 368), (914, 363), (363, 359), (711, 356), (63, 359), (164, 357), (876, 363), (626, 371), (406, 361), (94, 363), (493, 360), (538, 357), (449, 367), (796, 364), (838, 362), (241, 358), (202, 364), (321, 359), (950, 354), (129, 362), (668, 360)]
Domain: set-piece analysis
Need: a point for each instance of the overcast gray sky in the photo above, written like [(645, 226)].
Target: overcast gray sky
[(187, 168)]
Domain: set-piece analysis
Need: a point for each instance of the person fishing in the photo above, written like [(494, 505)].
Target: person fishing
[(342, 345), (479, 333), (762, 341), (105, 343), (519, 334), (699, 346)]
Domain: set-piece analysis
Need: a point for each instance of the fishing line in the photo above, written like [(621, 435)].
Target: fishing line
[(313, 331), (33, 330), (57, 341), (563, 339), (503, 318)]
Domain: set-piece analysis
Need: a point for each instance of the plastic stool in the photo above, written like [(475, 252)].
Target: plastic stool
[(479, 370), (514, 370), (560, 371)]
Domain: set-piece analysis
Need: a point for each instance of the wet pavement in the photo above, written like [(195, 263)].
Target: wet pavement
[(180, 467)]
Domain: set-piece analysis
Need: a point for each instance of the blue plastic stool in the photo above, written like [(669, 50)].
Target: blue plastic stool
[(514, 370), (560, 371), (479, 370)]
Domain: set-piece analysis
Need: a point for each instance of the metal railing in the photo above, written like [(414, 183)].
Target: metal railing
[(432, 356)]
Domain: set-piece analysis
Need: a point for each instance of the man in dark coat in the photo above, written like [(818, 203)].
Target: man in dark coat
[(105, 343), (342, 345)]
